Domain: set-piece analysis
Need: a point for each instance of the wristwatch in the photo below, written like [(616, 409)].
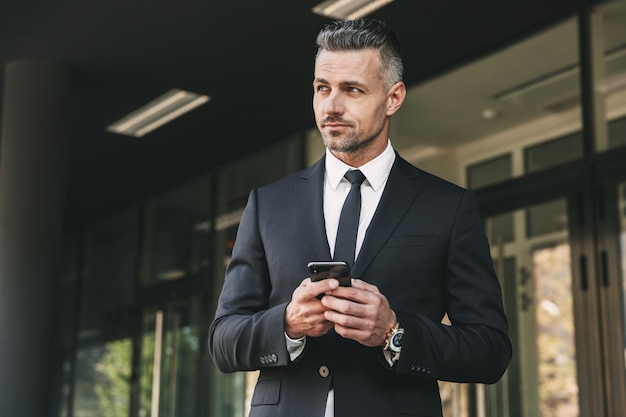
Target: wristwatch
[(393, 343)]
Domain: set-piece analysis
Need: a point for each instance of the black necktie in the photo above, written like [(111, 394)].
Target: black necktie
[(345, 244)]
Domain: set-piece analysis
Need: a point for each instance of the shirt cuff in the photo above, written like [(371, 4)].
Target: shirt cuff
[(391, 357), (295, 346)]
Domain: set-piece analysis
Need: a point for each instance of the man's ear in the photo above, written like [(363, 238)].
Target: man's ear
[(395, 97)]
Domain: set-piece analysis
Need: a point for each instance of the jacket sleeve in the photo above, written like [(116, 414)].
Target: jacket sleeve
[(246, 333), (475, 347)]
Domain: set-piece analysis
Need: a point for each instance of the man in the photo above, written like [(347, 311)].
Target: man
[(378, 347)]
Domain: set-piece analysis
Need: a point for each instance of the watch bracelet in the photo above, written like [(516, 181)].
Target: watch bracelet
[(388, 335)]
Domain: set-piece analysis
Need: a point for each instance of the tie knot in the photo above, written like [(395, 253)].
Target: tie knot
[(355, 176)]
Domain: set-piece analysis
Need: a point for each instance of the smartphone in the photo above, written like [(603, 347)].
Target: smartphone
[(338, 270)]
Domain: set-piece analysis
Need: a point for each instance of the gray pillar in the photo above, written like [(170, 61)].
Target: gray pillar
[(33, 149)]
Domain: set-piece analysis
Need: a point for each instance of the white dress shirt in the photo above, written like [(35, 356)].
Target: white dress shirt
[(336, 189)]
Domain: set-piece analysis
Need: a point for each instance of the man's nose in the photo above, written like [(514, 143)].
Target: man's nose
[(333, 104)]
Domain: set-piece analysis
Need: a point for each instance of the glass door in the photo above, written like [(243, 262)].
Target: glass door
[(169, 365), (561, 261), (532, 254)]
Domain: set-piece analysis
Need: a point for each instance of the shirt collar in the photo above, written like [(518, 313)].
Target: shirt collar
[(376, 171)]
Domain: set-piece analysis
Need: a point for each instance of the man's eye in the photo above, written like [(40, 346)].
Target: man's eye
[(354, 90), (321, 88)]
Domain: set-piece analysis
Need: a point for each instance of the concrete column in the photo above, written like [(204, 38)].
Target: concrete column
[(33, 154)]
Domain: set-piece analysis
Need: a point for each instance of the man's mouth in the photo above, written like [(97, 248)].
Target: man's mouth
[(333, 124)]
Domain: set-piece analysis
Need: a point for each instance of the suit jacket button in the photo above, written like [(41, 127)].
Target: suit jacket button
[(324, 371), (274, 358)]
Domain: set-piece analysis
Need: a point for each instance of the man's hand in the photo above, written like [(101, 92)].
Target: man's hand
[(304, 315), (360, 313)]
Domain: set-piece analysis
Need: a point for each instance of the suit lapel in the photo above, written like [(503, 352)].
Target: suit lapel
[(309, 191), (400, 192)]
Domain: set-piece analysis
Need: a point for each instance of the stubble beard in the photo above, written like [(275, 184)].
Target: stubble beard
[(350, 142)]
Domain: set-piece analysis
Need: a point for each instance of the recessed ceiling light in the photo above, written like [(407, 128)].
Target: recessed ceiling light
[(156, 113), (490, 114), (348, 9)]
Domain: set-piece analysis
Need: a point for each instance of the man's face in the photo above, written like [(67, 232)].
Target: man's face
[(349, 100)]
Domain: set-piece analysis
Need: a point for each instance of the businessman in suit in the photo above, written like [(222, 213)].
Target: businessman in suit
[(378, 347)]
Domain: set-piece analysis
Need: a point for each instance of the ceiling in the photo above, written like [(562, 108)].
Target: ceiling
[(253, 58)]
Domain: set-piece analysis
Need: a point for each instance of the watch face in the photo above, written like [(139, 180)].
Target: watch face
[(396, 340), (395, 344)]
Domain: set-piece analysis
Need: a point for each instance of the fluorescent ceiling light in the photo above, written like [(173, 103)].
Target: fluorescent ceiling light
[(348, 9), (156, 113), (172, 274)]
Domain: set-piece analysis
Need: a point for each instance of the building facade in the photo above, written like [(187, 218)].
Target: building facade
[(537, 128)]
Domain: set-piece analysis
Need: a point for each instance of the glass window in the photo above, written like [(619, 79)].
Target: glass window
[(489, 172), (554, 152), (104, 351), (617, 132), (501, 228), (610, 74), (546, 218), (176, 233)]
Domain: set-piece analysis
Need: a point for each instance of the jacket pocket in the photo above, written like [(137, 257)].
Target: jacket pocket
[(412, 241)]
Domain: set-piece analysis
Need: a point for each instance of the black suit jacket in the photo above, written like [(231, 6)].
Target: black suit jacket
[(426, 251)]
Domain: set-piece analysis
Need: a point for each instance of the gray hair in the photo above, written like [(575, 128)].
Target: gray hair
[(350, 35)]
